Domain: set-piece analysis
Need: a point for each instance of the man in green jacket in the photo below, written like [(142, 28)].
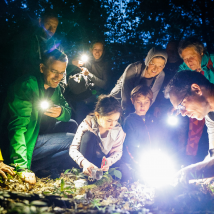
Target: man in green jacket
[(37, 140)]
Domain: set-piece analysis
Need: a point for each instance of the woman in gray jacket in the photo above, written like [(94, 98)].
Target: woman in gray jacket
[(149, 73)]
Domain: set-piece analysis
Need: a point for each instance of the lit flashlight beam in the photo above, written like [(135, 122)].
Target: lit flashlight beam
[(44, 105), (84, 58), (172, 120)]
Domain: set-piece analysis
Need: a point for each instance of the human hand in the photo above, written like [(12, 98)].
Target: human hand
[(77, 63), (28, 177), (85, 71), (5, 168), (87, 166), (53, 111)]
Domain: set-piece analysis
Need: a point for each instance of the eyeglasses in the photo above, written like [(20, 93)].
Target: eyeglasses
[(58, 73), (180, 107)]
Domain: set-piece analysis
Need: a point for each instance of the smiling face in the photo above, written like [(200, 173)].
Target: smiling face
[(49, 26), (192, 58), (97, 50), (194, 105), (156, 65), (141, 104), (53, 72), (109, 121)]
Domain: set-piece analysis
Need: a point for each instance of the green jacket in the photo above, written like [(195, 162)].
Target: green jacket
[(23, 101), (208, 73)]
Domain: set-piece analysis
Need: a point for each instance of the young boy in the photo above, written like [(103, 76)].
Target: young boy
[(139, 128)]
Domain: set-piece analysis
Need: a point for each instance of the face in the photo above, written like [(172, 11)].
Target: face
[(172, 52), (155, 66), (49, 26), (97, 50), (192, 58), (194, 105), (141, 105), (109, 121), (53, 72)]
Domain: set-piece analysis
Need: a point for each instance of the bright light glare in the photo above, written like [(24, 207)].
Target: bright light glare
[(172, 120), (84, 58), (157, 169), (44, 105)]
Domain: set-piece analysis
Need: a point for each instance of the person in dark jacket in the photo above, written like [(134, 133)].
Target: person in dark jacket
[(149, 73), (97, 72), (141, 134), (30, 45), (40, 135)]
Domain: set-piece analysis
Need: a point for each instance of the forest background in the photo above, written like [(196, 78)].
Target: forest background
[(128, 27)]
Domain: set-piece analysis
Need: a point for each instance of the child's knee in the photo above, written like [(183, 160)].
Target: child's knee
[(89, 137)]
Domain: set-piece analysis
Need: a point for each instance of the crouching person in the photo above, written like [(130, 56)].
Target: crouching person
[(99, 135), (38, 140), (139, 128)]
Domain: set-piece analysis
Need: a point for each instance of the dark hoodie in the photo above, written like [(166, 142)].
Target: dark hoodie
[(99, 73), (140, 136)]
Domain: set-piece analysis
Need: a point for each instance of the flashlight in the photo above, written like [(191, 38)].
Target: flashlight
[(172, 120), (84, 58), (157, 169), (45, 105)]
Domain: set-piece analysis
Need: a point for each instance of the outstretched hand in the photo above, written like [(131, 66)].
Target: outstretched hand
[(5, 168)]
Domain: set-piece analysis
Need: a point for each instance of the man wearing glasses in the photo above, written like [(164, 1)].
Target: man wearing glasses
[(40, 137), (193, 96)]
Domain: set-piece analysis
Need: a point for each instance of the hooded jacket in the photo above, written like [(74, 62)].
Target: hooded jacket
[(132, 77), (22, 104)]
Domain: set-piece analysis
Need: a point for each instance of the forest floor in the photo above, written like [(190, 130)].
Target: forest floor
[(73, 193)]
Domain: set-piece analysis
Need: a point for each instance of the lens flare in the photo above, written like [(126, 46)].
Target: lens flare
[(172, 120), (44, 104), (84, 58), (157, 169)]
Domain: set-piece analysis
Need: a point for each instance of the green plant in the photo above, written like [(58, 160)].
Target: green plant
[(62, 190), (114, 173), (96, 203)]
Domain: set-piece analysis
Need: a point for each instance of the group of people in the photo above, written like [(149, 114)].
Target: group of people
[(116, 126)]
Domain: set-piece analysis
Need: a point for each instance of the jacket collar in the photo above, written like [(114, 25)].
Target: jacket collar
[(205, 60)]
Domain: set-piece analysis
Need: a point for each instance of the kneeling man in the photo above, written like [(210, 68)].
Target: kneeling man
[(193, 95), (38, 140)]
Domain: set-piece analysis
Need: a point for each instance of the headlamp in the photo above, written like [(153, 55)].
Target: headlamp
[(172, 120)]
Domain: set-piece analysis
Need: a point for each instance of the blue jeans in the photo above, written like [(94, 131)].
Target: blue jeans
[(52, 150)]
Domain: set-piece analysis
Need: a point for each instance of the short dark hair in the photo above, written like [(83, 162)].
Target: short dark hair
[(191, 42), (48, 14), (182, 81), (107, 104), (54, 55), (142, 90)]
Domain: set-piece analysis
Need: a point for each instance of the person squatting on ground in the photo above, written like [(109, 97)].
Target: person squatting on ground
[(193, 95), (196, 58), (141, 133), (99, 135), (97, 71), (38, 140), (149, 73), (5, 168)]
